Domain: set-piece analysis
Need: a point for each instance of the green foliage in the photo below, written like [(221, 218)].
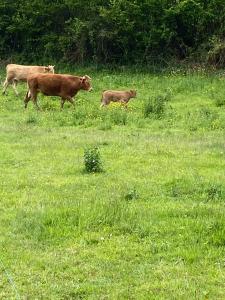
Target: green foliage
[(216, 54), (118, 116), (67, 235), (132, 194), (214, 192), (110, 31), (155, 106), (92, 160), (31, 119), (219, 100)]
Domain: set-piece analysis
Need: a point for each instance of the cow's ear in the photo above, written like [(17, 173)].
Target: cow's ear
[(87, 77), (83, 78)]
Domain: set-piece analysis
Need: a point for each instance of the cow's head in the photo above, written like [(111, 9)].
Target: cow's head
[(85, 83), (50, 69), (133, 93)]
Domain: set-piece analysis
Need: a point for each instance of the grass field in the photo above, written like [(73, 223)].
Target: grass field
[(150, 226)]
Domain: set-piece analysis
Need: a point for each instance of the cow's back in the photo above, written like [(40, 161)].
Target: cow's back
[(116, 95), (53, 84), (19, 72)]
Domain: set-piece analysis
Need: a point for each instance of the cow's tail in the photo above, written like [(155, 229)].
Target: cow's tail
[(102, 95)]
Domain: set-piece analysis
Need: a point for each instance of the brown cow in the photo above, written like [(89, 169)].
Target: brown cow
[(62, 85), (117, 96), (16, 73)]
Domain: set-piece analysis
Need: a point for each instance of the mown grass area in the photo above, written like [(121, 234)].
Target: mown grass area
[(150, 226)]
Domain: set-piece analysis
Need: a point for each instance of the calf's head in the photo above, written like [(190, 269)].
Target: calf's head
[(85, 83), (50, 69), (133, 93)]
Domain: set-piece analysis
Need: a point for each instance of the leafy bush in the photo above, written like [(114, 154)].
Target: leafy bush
[(92, 160), (103, 31), (155, 106), (216, 55)]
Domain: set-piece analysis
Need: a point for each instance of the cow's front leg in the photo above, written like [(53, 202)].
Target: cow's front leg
[(124, 103), (62, 102), (70, 99)]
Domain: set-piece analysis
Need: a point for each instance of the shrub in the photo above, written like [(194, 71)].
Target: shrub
[(155, 106), (216, 55), (92, 160)]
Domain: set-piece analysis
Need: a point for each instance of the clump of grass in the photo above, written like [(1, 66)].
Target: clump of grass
[(92, 160), (118, 117), (105, 125), (214, 192), (49, 106), (219, 101), (132, 194), (31, 119), (203, 118), (182, 187), (155, 106)]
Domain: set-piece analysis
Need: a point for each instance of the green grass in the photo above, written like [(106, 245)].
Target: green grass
[(150, 226)]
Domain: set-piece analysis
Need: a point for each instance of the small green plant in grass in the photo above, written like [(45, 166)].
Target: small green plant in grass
[(132, 194), (118, 116), (219, 100), (155, 107), (105, 125), (214, 192), (92, 160), (31, 119)]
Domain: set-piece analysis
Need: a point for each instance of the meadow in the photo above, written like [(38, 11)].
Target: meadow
[(150, 226)]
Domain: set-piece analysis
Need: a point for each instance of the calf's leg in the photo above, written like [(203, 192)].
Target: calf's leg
[(124, 103), (104, 102), (102, 105)]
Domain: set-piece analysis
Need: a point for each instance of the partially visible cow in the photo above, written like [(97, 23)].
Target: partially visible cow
[(16, 73), (117, 96), (62, 85)]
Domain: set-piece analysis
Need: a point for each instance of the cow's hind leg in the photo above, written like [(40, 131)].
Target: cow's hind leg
[(27, 98), (14, 87), (34, 98), (5, 85)]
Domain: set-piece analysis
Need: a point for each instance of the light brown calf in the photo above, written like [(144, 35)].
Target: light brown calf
[(117, 96), (16, 73), (64, 86)]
